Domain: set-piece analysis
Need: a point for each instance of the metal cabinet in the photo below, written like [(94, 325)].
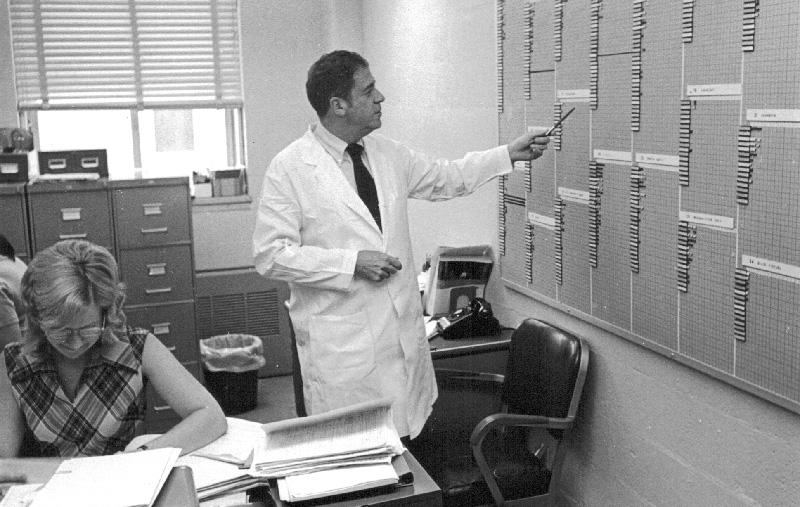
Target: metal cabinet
[(153, 232), (14, 223), (69, 210)]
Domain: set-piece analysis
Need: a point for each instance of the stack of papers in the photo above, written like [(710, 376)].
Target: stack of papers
[(119, 480), (337, 452), (223, 467)]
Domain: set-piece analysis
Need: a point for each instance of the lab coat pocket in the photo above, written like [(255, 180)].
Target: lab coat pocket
[(342, 347)]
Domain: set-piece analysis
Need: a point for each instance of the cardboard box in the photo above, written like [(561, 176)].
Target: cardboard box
[(228, 182)]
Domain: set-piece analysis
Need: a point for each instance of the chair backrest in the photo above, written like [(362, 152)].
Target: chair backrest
[(544, 363)]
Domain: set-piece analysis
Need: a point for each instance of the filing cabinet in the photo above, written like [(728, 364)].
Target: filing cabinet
[(147, 225), (70, 210), (14, 225), (153, 233)]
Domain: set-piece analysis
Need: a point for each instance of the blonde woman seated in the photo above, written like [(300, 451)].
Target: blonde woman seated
[(76, 382)]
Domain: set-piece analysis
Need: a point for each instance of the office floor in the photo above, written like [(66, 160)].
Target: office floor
[(275, 400)]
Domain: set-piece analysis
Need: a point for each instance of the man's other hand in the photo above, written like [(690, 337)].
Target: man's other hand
[(376, 266), (528, 146)]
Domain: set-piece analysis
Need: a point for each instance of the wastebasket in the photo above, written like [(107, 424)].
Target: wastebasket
[(230, 366)]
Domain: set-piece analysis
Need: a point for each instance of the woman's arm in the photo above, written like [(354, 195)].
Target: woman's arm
[(9, 320), (202, 418), (11, 425)]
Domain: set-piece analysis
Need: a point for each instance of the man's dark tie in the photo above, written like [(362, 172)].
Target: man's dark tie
[(364, 182)]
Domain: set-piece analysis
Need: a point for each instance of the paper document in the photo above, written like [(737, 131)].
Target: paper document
[(19, 496), (354, 432), (119, 480), (236, 445), (335, 482)]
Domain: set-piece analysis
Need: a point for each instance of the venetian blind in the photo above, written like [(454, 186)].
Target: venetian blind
[(126, 53)]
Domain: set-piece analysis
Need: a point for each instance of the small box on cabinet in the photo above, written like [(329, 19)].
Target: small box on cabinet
[(228, 182), (74, 161), (17, 167)]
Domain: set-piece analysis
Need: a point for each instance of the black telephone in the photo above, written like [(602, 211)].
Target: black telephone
[(475, 319)]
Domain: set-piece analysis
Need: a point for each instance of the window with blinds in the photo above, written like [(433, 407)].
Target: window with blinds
[(149, 68)]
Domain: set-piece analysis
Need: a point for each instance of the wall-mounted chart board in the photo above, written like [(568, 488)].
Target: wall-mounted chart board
[(667, 209)]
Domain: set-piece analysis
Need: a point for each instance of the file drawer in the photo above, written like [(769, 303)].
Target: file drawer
[(151, 215), (173, 325), (12, 209), (158, 275), (69, 211)]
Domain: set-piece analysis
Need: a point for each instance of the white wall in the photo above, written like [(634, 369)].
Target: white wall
[(434, 61)]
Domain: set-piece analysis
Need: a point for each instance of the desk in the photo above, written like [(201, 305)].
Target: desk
[(422, 493), (478, 353)]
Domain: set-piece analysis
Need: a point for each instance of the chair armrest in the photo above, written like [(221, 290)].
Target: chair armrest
[(502, 419), (478, 376)]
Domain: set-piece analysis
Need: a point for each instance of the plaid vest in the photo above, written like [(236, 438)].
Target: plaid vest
[(108, 404)]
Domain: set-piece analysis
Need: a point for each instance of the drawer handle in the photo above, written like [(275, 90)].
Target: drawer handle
[(160, 328), (157, 269), (90, 162), (164, 290), (153, 208), (81, 235), (70, 214), (57, 163), (155, 230), (9, 168), (161, 408)]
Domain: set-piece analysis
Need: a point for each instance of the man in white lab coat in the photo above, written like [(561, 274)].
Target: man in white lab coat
[(354, 303)]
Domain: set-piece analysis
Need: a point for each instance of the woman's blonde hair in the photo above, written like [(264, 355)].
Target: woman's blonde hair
[(63, 279)]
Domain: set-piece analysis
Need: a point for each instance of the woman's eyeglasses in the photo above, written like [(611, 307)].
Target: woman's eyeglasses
[(86, 333)]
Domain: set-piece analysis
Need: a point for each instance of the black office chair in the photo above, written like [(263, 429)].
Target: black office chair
[(511, 456)]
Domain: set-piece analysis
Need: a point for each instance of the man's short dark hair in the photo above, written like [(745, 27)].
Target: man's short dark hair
[(332, 76), (6, 248)]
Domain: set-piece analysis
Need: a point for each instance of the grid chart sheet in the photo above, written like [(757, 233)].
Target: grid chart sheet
[(576, 271), (572, 159), (573, 69), (712, 173), (615, 25), (539, 112), (655, 301), (542, 36), (611, 278), (611, 120), (661, 79), (689, 242), (772, 69), (772, 359), (770, 223), (515, 259), (543, 275), (715, 54), (707, 306)]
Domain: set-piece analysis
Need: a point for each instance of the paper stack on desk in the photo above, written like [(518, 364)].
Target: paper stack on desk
[(223, 467), (336, 452), (108, 481)]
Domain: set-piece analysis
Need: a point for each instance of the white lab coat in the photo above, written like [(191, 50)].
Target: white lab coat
[(357, 340)]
